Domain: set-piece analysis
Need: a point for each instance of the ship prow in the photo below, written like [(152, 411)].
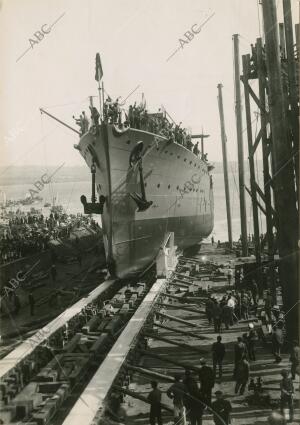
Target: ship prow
[(149, 186)]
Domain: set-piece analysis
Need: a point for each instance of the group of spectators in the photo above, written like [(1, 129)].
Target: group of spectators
[(231, 307), (27, 234), (192, 393), (138, 117)]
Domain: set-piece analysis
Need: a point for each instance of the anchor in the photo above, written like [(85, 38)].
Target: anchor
[(136, 158), (93, 207)]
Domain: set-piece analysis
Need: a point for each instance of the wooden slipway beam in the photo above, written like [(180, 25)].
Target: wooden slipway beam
[(90, 406), (29, 345)]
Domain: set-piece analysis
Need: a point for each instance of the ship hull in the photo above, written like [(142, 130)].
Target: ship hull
[(176, 182)]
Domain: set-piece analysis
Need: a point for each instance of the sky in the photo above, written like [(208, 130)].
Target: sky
[(135, 38)]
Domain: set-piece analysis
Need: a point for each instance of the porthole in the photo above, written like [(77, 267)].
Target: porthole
[(177, 188), (178, 156), (169, 186), (158, 185), (184, 159)]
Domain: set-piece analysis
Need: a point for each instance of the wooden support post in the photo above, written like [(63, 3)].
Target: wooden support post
[(181, 307), (179, 331), (149, 372), (262, 84), (293, 88), (181, 285), (225, 167), (167, 359), (246, 71), (178, 344), (282, 41), (133, 394), (283, 179), (239, 131), (176, 319)]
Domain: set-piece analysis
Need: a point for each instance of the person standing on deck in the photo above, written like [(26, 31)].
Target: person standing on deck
[(218, 353), (177, 392), (254, 291), (209, 305), (216, 313), (277, 341), (241, 375), (287, 391), (240, 350), (221, 409), (194, 400), (154, 398), (207, 381)]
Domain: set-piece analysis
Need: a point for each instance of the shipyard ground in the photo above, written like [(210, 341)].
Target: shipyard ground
[(135, 412), (71, 283)]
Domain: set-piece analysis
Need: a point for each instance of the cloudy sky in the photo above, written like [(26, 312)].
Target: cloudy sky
[(135, 39)]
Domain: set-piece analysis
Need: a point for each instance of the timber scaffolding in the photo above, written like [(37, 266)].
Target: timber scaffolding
[(270, 78)]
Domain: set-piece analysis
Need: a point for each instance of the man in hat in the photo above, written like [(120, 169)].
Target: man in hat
[(207, 381), (240, 350), (177, 392), (242, 375), (154, 398), (221, 409), (277, 341), (251, 338), (287, 391), (218, 353), (194, 400)]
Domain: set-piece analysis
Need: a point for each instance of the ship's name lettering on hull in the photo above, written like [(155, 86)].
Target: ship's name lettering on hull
[(190, 184)]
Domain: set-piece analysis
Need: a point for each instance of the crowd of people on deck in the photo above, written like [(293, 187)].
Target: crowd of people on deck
[(191, 393), (138, 117), (27, 234)]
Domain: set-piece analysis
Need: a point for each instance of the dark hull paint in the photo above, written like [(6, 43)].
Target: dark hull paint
[(132, 239)]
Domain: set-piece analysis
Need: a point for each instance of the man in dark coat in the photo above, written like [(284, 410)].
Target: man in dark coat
[(241, 375), (217, 312), (154, 398), (209, 309), (177, 392), (226, 315), (207, 381), (218, 353), (240, 350), (194, 401), (221, 409), (277, 341), (287, 391)]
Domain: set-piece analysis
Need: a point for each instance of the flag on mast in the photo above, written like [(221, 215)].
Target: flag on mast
[(99, 71)]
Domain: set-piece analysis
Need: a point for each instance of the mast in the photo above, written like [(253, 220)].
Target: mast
[(239, 132), (225, 169)]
